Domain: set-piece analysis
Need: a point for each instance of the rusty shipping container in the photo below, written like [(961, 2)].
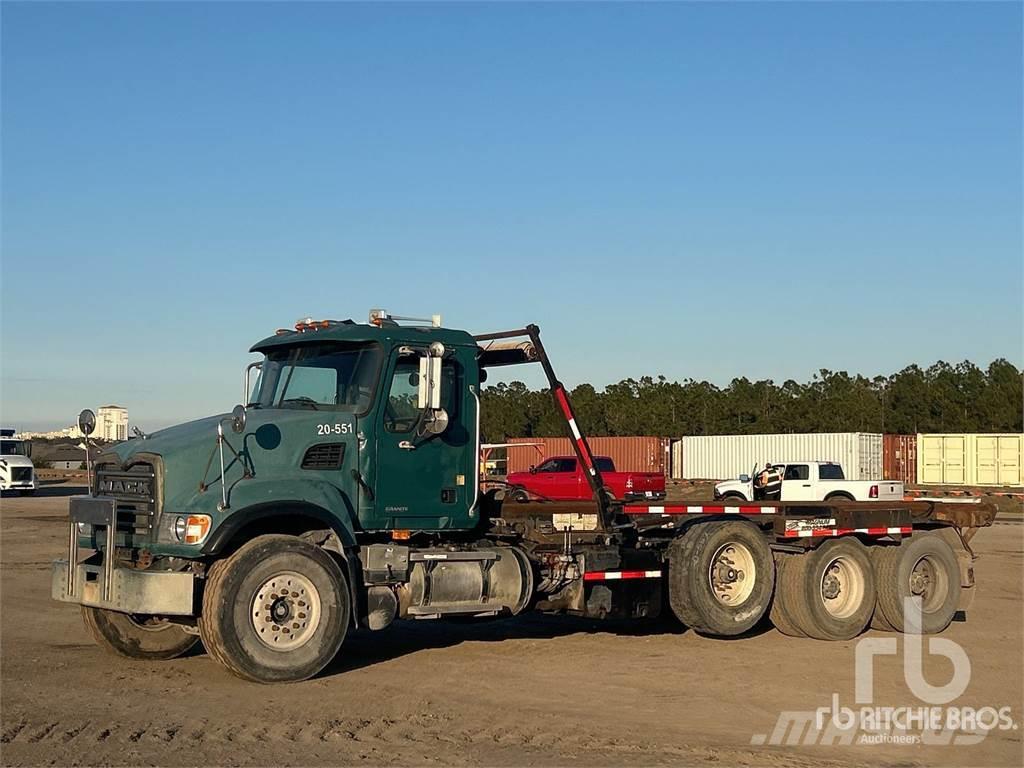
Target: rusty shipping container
[(899, 458), (629, 454)]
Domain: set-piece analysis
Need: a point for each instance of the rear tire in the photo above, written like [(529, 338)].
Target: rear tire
[(924, 566), (137, 637), (680, 553), (780, 615), (830, 591), (721, 577), (275, 611), (840, 497)]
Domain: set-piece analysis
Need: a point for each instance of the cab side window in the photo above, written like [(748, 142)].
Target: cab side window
[(401, 409), (797, 472), (830, 472)]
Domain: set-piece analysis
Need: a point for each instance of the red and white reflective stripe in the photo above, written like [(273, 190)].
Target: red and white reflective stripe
[(643, 509), (563, 403), (614, 575), (845, 531)]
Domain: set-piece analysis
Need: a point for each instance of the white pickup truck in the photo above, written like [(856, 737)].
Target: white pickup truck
[(812, 481)]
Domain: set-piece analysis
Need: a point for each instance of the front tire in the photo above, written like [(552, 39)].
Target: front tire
[(137, 637), (276, 611)]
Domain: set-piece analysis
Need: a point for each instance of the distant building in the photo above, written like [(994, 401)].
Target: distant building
[(111, 423), (66, 458)]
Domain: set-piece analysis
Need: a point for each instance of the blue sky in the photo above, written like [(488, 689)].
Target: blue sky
[(693, 190)]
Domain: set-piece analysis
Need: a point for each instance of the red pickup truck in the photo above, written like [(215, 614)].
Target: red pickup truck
[(561, 477)]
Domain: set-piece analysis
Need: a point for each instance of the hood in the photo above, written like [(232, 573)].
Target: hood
[(17, 460), (731, 484), (171, 439), (274, 442)]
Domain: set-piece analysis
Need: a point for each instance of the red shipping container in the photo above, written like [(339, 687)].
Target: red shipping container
[(628, 454), (899, 458)]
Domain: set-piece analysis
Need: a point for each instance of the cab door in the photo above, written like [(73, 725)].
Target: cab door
[(424, 481), (796, 483)]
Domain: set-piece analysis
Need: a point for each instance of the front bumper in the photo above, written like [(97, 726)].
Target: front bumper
[(102, 585), (164, 593)]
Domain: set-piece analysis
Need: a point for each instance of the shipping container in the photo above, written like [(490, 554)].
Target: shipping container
[(899, 458), (970, 459), (629, 454), (721, 457)]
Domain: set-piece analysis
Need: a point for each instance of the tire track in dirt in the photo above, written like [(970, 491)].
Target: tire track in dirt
[(371, 735)]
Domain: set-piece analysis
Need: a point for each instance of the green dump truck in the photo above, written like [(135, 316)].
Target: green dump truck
[(345, 495)]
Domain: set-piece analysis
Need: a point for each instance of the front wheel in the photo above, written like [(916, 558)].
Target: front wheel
[(135, 636), (276, 611)]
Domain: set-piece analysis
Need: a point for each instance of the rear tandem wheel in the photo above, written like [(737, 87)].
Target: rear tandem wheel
[(721, 576), (828, 593)]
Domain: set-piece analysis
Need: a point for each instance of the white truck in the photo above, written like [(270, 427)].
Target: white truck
[(812, 481), (16, 470)]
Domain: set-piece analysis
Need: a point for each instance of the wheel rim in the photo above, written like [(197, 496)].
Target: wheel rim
[(928, 581), (842, 587), (732, 573), (285, 611)]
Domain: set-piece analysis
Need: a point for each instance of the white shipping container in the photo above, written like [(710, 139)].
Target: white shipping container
[(722, 457)]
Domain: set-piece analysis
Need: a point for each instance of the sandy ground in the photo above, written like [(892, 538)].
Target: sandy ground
[(528, 691)]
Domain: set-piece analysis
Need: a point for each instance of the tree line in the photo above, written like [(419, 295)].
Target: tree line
[(940, 398)]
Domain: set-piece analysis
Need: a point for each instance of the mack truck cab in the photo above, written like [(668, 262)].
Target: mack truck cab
[(343, 494)]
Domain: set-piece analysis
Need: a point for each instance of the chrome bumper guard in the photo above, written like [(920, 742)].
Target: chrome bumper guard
[(128, 590)]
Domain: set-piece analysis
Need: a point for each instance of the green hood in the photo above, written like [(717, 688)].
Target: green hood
[(273, 444)]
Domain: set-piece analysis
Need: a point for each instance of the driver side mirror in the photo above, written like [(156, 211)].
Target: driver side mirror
[(247, 394), (429, 389)]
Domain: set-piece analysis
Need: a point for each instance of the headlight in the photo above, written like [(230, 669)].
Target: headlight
[(191, 529)]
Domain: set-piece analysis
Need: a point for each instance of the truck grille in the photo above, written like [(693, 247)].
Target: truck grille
[(136, 494), (21, 474)]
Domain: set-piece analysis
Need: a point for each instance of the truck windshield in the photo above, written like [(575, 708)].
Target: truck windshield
[(326, 376), (12, 448)]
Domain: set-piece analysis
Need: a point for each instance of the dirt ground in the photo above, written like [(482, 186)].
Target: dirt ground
[(527, 691)]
